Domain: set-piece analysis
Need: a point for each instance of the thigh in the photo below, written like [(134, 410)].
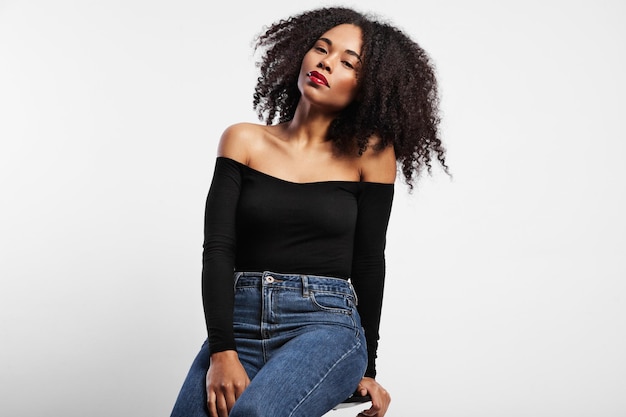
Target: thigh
[(191, 401), (247, 325), (308, 375)]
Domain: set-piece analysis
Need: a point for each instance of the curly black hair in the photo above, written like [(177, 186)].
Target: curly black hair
[(397, 98)]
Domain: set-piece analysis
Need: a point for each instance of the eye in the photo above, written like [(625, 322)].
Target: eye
[(320, 49), (348, 64)]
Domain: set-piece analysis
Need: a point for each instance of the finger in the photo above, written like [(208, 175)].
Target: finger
[(230, 399), (211, 405), (222, 408), (372, 411), (382, 404), (377, 409)]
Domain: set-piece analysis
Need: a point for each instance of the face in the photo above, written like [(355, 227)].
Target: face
[(328, 75)]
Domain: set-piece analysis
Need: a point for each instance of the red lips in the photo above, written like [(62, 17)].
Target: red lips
[(317, 78)]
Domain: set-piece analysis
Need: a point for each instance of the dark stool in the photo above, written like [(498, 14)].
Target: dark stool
[(354, 399)]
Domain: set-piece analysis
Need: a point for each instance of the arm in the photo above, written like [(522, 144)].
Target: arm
[(368, 277), (218, 256), (378, 173), (226, 378), (368, 271), (368, 265)]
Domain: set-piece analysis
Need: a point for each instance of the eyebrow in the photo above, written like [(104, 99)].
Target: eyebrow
[(348, 51)]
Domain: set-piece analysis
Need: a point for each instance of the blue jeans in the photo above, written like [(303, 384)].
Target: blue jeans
[(299, 338)]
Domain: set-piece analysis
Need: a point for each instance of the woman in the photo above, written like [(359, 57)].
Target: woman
[(298, 210)]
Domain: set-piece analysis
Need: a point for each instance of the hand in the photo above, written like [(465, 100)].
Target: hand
[(380, 397), (226, 379)]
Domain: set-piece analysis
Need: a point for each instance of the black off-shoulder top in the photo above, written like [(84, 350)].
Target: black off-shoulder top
[(257, 222)]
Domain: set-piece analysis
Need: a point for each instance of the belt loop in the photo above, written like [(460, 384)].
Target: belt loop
[(238, 275), (356, 298), (305, 286)]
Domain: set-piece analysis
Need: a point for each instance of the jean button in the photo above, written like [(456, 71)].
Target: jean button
[(269, 279)]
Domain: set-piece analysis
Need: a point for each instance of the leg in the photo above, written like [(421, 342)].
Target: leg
[(306, 377), (313, 348), (191, 401)]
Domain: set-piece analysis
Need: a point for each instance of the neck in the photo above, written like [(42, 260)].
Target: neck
[(308, 127)]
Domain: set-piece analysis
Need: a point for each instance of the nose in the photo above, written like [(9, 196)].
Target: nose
[(323, 65)]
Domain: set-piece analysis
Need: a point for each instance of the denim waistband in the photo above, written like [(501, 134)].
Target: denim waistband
[(294, 281)]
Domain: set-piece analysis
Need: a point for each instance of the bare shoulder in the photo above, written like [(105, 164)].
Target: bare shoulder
[(378, 165), (238, 140)]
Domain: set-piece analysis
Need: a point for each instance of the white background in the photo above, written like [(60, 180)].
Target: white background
[(506, 291)]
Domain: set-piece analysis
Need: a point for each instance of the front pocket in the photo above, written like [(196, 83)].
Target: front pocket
[(329, 301)]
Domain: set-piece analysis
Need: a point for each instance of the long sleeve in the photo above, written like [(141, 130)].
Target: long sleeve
[(218, 257), (368, 265)]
